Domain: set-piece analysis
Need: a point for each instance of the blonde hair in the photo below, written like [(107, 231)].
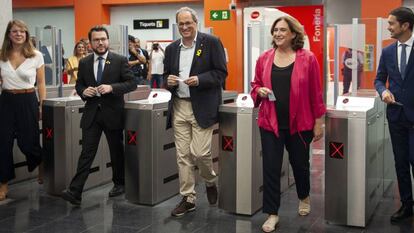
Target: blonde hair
[(28, 48)]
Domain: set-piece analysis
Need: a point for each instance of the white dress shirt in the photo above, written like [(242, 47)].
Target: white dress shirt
[(408, 49)]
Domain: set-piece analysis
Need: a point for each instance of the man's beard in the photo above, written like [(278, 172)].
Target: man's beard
[(99, 53)]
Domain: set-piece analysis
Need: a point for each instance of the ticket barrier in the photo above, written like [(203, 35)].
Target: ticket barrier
[(62, 144), (151, 174), (354, 158), (240, 159)]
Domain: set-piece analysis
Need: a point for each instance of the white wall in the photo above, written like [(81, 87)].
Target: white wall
[(5, 16), (62, 18), (125, 15)]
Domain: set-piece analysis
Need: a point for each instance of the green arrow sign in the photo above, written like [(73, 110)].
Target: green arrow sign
[(220, 15)]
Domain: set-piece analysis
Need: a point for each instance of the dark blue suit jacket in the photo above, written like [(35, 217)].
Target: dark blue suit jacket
[(402, 89), (209, 64), (117, 74)]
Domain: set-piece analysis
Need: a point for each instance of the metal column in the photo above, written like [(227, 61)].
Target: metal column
[(354, 158), (151, 174)]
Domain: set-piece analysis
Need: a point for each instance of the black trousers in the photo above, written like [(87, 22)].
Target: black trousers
[(90, 142), (19, 118), (402, 139), (273, 147), (347, 81)]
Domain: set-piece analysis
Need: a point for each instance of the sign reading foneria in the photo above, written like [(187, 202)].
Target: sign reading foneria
[(151, 24)]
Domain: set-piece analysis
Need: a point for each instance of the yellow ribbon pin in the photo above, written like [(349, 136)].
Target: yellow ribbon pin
[(198, 53)]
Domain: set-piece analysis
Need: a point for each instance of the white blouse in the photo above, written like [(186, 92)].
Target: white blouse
[(24, 77)]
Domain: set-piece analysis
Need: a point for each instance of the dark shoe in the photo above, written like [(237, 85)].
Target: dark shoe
[(212, 194), (72, 198), (183, 207), (404, 212), (117, 190)]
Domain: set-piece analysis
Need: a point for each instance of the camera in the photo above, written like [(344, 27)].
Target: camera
[(155, 46), (232, 6)]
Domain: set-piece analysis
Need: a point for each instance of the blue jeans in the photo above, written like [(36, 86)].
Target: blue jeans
[(157, 80)]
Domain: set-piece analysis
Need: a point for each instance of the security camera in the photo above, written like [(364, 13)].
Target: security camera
[(232, 6)]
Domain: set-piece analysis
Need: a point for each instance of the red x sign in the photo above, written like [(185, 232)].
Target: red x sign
[(227, 143), (132, 137), (48, 132), (336, 150)]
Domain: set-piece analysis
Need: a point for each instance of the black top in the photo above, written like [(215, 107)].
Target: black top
[(281, 77)]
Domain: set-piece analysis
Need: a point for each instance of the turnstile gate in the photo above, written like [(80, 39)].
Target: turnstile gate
[(151, 174), (240, 161), (62, 146), (354, 159)]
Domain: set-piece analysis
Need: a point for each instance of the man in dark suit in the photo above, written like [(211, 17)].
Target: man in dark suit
[(195, 70), (397, 66), (103, 79)]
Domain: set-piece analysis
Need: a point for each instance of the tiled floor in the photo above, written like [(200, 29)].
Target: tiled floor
[(30, 209)]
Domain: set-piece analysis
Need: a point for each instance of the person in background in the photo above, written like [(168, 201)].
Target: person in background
[(156, 66), (72, 64), (288, 92), (348, 67), (21, 66), (87, 44), (145, 60), (103, 79), (195, 68), (135, 60), (396, 66)]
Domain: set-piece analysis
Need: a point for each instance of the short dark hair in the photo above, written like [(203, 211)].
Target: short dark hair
[(131, 38), (97, 28), (404, 15), (295, 27)]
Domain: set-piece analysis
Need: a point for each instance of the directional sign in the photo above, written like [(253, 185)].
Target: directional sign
[(220, 15)]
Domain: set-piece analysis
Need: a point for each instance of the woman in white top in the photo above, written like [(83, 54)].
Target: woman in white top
[(156, 66), (21, 66)]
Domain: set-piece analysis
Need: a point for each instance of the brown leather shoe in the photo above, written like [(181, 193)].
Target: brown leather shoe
[(183, 207), (4, 189), (212, 194)]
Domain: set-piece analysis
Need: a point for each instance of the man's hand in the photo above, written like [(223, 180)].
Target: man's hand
[(172, 80), (192, 81), (89, 92), (388, 97), (104, 89)]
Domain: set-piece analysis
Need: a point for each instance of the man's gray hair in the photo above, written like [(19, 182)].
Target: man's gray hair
[(187, 9)]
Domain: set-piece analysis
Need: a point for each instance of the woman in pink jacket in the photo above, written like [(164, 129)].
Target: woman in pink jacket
[(288, 91)]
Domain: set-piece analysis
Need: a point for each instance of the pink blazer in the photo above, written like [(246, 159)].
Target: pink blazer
[(306, 102)]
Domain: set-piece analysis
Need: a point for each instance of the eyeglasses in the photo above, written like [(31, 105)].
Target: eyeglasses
[(97, 40), (187, 24)]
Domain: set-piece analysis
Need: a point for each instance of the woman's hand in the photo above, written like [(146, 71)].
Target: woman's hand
[(318, 130), (263, 91)]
